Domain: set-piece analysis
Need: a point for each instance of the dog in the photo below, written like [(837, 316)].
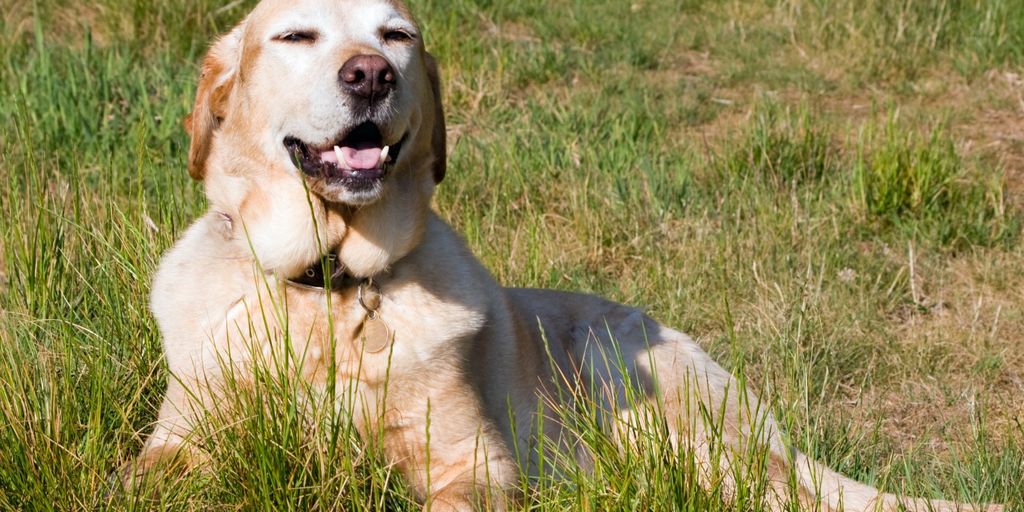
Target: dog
[(318, 133)]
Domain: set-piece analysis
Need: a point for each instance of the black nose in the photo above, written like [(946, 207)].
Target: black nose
[(369, 77)]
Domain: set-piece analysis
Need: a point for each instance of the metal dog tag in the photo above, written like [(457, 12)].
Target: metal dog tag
[(375, 334)]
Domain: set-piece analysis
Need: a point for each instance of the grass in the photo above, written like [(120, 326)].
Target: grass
[(826, 195)]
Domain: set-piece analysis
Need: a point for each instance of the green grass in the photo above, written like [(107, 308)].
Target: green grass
[(817, 191)]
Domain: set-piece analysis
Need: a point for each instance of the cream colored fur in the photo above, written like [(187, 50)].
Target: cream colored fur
[(465, 348)]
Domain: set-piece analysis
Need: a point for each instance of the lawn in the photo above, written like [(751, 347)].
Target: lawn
[(827, 195)]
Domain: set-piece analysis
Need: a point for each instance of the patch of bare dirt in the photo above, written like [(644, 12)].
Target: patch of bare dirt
[(67, 24), (959, 364), (921, 414), (685, 64), (17, 16), (995, 126), (510, 31), (73, 21)]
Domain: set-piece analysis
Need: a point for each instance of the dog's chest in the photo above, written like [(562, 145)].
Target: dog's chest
[(422, 326)]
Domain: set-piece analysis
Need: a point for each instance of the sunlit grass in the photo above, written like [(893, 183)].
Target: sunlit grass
[(711, 161)]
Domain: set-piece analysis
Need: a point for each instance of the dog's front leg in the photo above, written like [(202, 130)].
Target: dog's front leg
[(435, 434), (170, 440)]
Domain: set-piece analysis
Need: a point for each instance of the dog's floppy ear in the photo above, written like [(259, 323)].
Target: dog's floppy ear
[(437, 141), (220, 66)]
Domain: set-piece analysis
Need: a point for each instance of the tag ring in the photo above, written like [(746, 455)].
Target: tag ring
[(375, 298)]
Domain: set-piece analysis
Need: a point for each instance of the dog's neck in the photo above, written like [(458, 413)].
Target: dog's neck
[(287, 229), (379, 234)]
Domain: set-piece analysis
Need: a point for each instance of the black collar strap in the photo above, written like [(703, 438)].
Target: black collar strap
[(315, 275)]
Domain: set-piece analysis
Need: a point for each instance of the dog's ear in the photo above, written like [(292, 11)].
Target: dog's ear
[(220, 67), (439, 135)]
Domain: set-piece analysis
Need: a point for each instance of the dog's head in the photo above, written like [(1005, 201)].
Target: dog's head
[(337, 97), (339, 92)]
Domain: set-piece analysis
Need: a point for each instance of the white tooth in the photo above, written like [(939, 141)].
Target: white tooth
[(383, 155), (342, 164)]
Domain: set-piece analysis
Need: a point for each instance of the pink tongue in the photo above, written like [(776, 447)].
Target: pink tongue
[(361, 159)]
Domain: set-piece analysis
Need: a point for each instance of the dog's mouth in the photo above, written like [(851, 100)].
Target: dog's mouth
[(359, 159)]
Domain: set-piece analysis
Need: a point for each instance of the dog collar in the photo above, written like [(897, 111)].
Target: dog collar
[(374, 333), (326, 273)]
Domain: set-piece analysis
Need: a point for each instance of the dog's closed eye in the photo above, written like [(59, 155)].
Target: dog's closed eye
[(397, 36), (298, 36)]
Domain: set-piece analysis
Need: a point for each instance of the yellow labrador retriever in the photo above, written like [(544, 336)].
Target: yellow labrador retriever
[(318, 133)]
